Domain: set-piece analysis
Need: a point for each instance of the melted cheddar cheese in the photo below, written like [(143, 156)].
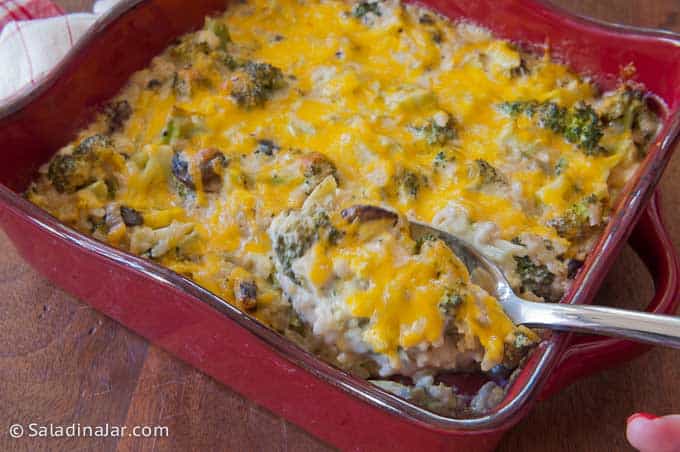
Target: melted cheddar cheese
[(362, 283), (239, 123)]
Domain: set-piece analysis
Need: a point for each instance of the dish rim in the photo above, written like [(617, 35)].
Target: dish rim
[(634, 199)]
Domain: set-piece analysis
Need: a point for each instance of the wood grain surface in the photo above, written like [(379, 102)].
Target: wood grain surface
[(62, 363)]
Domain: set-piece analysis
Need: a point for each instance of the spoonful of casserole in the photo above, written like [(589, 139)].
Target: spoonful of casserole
[(379, 301), (384, 295)]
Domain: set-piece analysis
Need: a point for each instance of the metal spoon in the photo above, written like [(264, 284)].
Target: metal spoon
[(638, 326)]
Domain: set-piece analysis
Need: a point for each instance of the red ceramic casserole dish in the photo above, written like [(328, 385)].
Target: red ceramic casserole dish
[(215, 337)]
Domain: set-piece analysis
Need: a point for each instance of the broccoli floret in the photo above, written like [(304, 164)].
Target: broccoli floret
[(116, 115), (69, 173), (535, 278), (299, 231), (621, 105), (575, 223), (231, 62), (516, 349), (409, 183), (515, 108), (643, 122), (627, 106), (580, 125), (295, 232), (362, 9), (449, 303), (294, 245), (316, 167), (254, 83), (220, 30), (489, 175), (92, 143), (187, 80), (320, 219), (584, 128), (645, 127), (551, 116), (324, 228), (438, 131), (185, 50), (521, 340)]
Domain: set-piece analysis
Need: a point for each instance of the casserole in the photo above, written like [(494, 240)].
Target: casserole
[(199, 345), (242, 156)]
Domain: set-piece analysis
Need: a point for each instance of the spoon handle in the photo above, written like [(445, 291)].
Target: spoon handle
[(638, 326)]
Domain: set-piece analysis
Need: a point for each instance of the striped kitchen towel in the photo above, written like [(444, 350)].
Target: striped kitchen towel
[(34, 36), (15, 10)]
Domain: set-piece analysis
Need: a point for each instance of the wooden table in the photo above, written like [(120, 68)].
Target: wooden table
[(63, 363)]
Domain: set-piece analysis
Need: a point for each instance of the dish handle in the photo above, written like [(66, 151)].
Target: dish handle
[(588, 354)]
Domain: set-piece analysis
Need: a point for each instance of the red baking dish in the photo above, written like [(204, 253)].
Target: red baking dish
[(209, 333)]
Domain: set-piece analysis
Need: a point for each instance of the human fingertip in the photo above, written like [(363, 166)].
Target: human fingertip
[(641, 415), (649, 433)]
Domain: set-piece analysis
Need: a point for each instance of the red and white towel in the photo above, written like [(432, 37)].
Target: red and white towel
[(16, 10), (34, 36)]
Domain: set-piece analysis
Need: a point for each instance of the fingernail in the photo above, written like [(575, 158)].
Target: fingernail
[(646, 416)]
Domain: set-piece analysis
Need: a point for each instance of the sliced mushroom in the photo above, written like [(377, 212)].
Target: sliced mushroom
[(212, 164), (130, 216), (364, 213), (245, 292)]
